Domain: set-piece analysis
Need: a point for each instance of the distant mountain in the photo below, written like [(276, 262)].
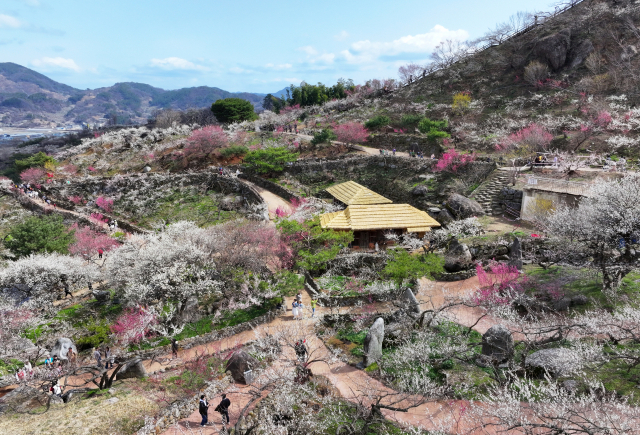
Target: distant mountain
[(28, 98)]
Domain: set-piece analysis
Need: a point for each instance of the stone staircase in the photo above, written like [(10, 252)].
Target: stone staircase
[(487, 194)]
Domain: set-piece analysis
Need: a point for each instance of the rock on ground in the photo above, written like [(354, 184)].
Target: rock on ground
[(497, 344), (133, 369), (463, 207), (239, 363), (413, 306), (558, 362), (373, 342)]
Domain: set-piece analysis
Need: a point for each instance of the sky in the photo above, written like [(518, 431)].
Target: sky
[(236, 45)]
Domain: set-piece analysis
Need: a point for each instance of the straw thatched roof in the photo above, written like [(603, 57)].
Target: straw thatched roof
[(352, 193), (379, 217)]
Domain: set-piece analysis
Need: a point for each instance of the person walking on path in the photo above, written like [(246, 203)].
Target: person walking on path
[(300, 311), (108, 358), (174, 347), (204, 410), (97, 356), (314, 302), (71, 357), (294, 309), (299, 297), (223, 408), (100, 252)]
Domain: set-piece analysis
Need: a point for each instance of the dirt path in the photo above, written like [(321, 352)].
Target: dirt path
[(273, 201), (353, 384)]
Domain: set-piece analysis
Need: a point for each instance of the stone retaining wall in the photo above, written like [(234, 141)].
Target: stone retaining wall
[(511, 200), (405, 142)]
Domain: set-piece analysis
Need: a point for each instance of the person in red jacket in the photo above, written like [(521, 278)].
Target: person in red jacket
[(100, 252)]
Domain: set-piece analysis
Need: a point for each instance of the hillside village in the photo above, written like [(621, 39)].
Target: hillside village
[(453, 252)]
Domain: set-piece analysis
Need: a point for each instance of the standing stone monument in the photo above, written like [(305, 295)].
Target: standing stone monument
[(373, 342)]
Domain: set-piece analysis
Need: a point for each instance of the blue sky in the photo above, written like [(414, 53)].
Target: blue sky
[(236, 45)]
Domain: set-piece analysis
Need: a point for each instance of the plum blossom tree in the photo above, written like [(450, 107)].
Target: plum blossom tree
[(534, 136), (105, 203), (169, 267), (451, 161), (89, 241), (351, 133), (32, 175), (133, 325), (604, 228), (203, 142), (38, 277)]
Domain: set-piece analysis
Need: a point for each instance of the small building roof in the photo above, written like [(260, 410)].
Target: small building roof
[(379, 217), (352, 193)]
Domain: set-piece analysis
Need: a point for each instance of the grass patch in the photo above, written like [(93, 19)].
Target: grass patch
[(203, 209)]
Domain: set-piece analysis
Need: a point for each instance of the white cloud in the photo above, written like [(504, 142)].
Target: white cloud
[(279, 67), (341, 36), (367, 51), (314, 56), (176, 63), (9, 21), (57, 62)]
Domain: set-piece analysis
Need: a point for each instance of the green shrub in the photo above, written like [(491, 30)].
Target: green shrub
[(404, 266), (38, 160), (433, 129), (324, 136), (270, 160), (39, 234), (410, 120), (98, 331), (377, 122), (234, 151), (233, 110)]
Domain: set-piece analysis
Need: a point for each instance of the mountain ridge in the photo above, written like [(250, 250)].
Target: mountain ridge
[(29, 98)]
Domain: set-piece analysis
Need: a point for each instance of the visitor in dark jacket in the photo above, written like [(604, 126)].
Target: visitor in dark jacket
[(204, 410)]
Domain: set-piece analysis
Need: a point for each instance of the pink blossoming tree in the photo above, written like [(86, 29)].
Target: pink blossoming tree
[(32, 175), (451, 161), (105, 203), (88, 242), (205, 141), (351, 132), (535, 136)]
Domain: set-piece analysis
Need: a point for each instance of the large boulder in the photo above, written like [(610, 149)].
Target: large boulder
[(133, 369), (554, 48), (373, 342), (239, 363), (558, 362), (420, 190), (22, 399), (444, 217), (463, 207), (61, 348), (580, 52), (497, 345), (458, 257)]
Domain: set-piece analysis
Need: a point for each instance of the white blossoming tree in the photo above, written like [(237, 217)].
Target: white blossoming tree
[(40, 277), (165, 269), (604, 227)]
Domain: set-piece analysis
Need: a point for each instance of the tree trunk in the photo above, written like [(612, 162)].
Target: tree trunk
[(612, 277)]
